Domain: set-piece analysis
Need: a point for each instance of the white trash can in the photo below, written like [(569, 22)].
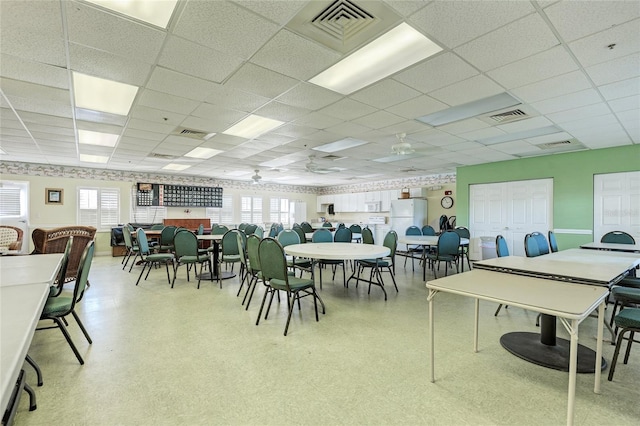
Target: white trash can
[(488, 246)]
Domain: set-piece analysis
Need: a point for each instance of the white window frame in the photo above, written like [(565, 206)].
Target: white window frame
[(277, 213), (101, 217), (221, 215), (251, 210)]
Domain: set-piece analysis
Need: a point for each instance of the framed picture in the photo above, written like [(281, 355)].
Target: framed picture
[(54, 196)]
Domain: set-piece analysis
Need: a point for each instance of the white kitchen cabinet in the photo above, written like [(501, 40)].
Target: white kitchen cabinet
[(372, 197)]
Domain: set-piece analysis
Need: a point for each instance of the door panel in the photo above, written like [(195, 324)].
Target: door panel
[(616, 204)]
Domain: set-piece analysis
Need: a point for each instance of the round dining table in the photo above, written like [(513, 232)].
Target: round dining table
[(217, 273), (426, 241)]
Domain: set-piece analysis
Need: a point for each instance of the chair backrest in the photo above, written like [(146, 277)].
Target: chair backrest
[(618, 237), (143, 243), (253, 242), (553, 244), (355, 229), (83, 273), (306, 227), (391, 242), (342, 235), (259, 231), (273, 231), (242, 246), (250, 229), (322, 236), (367, 236), (55, 241), (288, 237), (531, 246), (167, 234), (185, 243), (11, 237), (443, 223), (327, 225), (413, 230), (428, 230), (298, 230), (463, 232), (341, 225), (242, 226), (126, 235), (219, 230), (64, 263), (448, 243), (200, 229), (272, 260), (230, 243), (502, 249), (543, 245), (157, 226)]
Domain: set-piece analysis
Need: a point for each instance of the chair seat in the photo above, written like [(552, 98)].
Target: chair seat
[(373, 262), (626, 294), (628, 318), (441, 257), (194, 259), (231, 258), (294, 283), (56, 306), (159, 257), (630, 282)]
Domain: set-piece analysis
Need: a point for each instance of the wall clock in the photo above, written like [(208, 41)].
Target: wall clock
[(446, 202)]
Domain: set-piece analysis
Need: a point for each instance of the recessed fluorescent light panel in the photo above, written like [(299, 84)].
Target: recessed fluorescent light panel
[(396, 50), (87, 158), (103, 95), (152, 11), (340, 145), (176, 167), (253, 126), (203, 153), (392, 158), (88, 137), (472, 109)]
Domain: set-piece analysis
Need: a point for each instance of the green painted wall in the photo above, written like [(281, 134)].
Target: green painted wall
[(572, 175)]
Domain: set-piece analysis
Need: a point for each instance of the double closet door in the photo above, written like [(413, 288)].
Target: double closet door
[(511, 209)]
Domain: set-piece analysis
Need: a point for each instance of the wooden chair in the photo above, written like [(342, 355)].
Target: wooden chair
[(10, 238)]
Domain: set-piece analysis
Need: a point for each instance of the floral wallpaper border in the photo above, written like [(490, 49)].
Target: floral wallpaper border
[(33, 169)]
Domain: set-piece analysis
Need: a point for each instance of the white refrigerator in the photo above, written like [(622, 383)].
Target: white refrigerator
[(405, 213)]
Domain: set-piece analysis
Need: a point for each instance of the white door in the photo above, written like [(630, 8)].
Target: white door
[(616, 204), (511, 209), (14, 208)]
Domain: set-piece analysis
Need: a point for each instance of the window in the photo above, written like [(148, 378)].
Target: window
[(99, 207), (222, 215), (251, 210), (279, 210), (10, 202), (149, 214)]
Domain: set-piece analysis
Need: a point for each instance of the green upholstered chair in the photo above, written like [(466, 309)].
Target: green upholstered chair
[(230, 249), (553, 244), (166, 238), (259, 231), (253, 268), (531, 246), (298, 230), (617, 237), (367, 236), (412, 250), (241, 239), (356, 229), (502, 250), (342, 235), (157, 227), (624, 296), (327, 225), (428, 231), (219, 230), (322, 236), (59, 307), (289, 237), (58, 284), (463, 251), (377, 266), (242, 226), (274, 270), (628, 321), (187, 253), (131, 246), (250, 229), (150, 259), (447, 251), (306, 227)]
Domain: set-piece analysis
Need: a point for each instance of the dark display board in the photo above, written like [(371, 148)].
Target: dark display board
[(152, 194)]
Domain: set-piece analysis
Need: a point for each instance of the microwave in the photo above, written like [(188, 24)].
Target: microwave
[(371, 207)]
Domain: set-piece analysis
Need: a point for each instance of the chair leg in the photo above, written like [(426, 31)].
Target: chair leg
[(35, 367), (612, 369), (68, 337), (144, 265), (264, 298), (81, 325), (498, 310), (32, 396), (626, 355), (291, 303)]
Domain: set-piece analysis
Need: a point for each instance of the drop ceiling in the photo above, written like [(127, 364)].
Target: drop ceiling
[(572, 66)]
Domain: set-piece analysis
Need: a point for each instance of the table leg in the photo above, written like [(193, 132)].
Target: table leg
[(216, 274), (432, 294), (475, 325), (573, 367), (596, 386)]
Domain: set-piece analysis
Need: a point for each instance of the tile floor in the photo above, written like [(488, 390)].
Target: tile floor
[(195, 357)]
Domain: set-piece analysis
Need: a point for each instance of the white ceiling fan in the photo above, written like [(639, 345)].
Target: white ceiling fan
[(314, 167), (256, 178), (402, 147)]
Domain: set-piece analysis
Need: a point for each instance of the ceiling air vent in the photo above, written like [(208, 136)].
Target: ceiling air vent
[(554, 145), (162, 156), (344, 25), (505, 117), (189, 133), (332, 157)]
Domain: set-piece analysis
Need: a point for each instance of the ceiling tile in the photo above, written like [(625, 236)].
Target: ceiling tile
[(193, 59), (378, 120), (108, 66), (518, 40), (181, 85), (455, 23), (347, 109), (385, 93), (280, 111), (563, 103), (261, 81), (475, 88), (436, 72), (620, 89), (166, 102), (417, 107), (276, 10), (33, 72), (574, 20), (594, 49), (624, 104), (309, 96), (615, 70), (592, 110), (553, 87), (310, 58), (224, 26)]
